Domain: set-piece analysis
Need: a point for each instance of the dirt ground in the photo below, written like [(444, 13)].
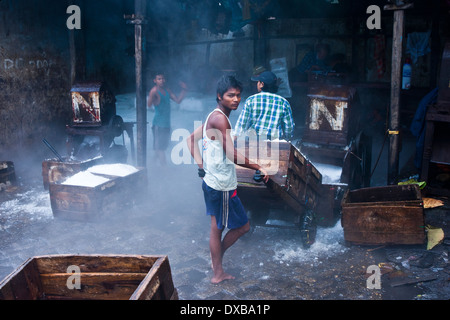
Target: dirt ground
[(269, 264)]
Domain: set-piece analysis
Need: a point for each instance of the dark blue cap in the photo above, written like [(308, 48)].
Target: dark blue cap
[(268, 77)]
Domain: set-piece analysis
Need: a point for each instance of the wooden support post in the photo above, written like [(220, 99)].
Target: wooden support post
[(141, 105), (394, 119), (77, 49)]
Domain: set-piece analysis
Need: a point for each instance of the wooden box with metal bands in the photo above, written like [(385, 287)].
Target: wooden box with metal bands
[(384, 215), (86, 203), (99, 277)]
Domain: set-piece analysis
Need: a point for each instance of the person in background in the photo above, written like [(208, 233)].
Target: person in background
[(266, 112), (217, 167), (159, 97), (315, 60)]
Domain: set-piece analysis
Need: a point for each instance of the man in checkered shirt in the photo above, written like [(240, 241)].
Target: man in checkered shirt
[(266, 112)]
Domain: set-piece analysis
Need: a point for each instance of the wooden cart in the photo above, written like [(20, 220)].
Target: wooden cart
[(97, 277), (334, 137), (293, 189)]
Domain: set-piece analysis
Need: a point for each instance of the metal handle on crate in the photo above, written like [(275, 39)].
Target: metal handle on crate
[(52, 149)]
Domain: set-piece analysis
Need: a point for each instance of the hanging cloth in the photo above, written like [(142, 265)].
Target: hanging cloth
[(418, 44)]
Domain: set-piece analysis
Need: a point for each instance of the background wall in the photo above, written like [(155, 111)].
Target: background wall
[(195, 41)]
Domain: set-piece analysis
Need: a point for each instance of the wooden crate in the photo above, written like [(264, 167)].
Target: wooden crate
[(384, 215), (83, 203), (330, 119), (54, 170), (90, 203), (294, 180), (101, 277), (7, 173), (130, 186)]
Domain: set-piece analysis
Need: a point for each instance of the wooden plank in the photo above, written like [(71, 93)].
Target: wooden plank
[(22, 284), (412, 281), (394, 115), (157, 284), (96, 263), (94, 286), (388, 219), (383, 238), (326, 207), (398, 194)]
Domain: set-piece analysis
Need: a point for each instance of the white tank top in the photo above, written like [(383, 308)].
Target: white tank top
[(220, 172)]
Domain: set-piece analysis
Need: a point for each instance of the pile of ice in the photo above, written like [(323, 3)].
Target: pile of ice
[(329, 242), (115, 169), (28, 206), (92, 177), (330, 174), (85, 179)]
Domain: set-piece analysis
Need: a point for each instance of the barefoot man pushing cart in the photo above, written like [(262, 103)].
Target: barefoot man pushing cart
[(217, 167)]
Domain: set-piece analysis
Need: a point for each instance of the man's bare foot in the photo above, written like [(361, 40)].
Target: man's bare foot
[(221, 277)]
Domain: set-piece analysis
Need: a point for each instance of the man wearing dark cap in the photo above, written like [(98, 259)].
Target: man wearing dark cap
[(267, 113)]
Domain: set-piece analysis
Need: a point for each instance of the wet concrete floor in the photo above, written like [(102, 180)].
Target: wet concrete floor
[(269, 264)]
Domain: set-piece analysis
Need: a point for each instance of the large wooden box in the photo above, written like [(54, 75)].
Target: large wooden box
[(294, 179), (384, 215), (93, 104), (91, 277), (54, 170), (330, 119), (104, 196)]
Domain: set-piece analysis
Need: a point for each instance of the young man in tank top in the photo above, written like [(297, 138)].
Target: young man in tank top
[(159, 97), (216, 163)]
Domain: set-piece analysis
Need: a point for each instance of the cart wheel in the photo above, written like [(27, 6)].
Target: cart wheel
[(308, 228)]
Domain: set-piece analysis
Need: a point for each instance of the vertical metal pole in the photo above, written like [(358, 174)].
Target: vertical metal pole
[(394, 120), (141, 107)]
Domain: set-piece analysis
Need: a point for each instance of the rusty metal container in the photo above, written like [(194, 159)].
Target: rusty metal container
[(384, 215), (330, 119), (93, 104), (101, 277), (97, 196)]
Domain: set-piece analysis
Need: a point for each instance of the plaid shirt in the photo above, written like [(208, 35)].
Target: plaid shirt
[(266, 113)]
